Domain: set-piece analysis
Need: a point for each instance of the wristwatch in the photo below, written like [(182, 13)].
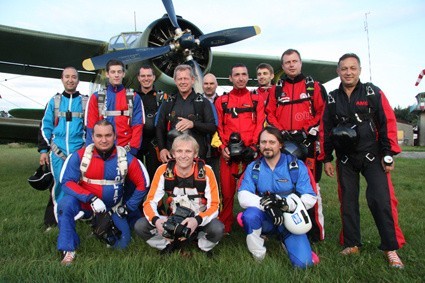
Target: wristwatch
[(122, 211), (388, 160)]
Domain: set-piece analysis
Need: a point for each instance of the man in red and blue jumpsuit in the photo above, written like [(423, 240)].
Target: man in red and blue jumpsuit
[(296, 111), (239, 111), (93, 179), (359, 123), (116, 109)]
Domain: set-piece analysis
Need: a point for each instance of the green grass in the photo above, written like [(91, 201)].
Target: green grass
[(413, 148), (27, 254)]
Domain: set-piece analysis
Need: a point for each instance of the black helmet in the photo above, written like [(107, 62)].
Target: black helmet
[(344, 137), (235, 146), (299, 150), (42, 178)]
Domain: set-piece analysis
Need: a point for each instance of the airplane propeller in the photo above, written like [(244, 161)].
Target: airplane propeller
[(169, 7), (178, 43), (127, 56)]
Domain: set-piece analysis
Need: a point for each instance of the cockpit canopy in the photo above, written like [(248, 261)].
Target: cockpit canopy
[(124, 40)]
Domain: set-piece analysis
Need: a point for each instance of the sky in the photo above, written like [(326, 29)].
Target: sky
[(320, 29)]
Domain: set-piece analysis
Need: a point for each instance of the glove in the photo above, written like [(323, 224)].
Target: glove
[(273, 200), (97, 205), (248, 154), (276, 214), (122, 211), (274, 206)]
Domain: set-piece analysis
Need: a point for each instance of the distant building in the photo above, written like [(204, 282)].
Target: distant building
[(419, 109), (405, 133)]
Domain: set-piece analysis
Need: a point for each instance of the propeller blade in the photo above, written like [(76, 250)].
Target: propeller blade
[(199, 76), (168, 4), (127, 56), (228, 36)]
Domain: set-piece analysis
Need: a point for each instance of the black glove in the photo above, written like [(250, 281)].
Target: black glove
[(122, 211), (272, 200), (274, 206), (276, 214), (248, 154)]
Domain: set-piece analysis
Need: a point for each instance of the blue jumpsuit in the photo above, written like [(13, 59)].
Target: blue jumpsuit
[(66, 134), (256, 222), (79, 192)]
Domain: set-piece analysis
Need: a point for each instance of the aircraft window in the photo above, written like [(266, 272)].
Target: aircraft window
[(132, 37), (123, 40)]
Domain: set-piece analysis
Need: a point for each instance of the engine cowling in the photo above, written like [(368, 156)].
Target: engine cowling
[(160, 33)]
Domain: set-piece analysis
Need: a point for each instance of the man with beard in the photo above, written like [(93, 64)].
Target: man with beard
[(267, 190)]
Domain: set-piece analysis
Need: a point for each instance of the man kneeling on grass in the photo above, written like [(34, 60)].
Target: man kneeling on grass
[(93, 180), (189, 188), (275, 190)]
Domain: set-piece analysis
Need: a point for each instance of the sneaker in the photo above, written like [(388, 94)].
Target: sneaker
[(350, 250), (68, 258), (315, 258), (239, 219), (394, 260)]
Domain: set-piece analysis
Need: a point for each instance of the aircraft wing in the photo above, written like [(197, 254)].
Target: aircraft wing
[(322, 71), (19, 130), (34, 53)]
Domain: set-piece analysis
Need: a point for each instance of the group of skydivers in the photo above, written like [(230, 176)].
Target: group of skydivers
[(169, 165)]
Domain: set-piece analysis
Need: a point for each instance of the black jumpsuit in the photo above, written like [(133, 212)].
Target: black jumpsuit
[(377, 131)]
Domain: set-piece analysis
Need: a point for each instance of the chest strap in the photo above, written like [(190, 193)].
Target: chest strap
[(122, 166), (101, 104), (101, 182), (57, 101)]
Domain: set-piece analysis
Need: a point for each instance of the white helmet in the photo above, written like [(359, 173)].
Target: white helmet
[(297, 222)]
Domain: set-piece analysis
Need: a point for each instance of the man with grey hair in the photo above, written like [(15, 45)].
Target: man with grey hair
[(186, 112)]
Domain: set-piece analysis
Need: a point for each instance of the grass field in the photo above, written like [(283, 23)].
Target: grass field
[(27, 254)]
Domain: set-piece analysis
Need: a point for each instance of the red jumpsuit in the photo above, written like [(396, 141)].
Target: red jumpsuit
[(249, 124), (264, 93), (297, 113)]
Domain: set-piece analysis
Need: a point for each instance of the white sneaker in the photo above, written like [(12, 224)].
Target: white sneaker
[(68, 258), (394, 260)]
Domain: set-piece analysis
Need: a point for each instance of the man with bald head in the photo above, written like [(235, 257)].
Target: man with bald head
[(61, 133), (209, 86)]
